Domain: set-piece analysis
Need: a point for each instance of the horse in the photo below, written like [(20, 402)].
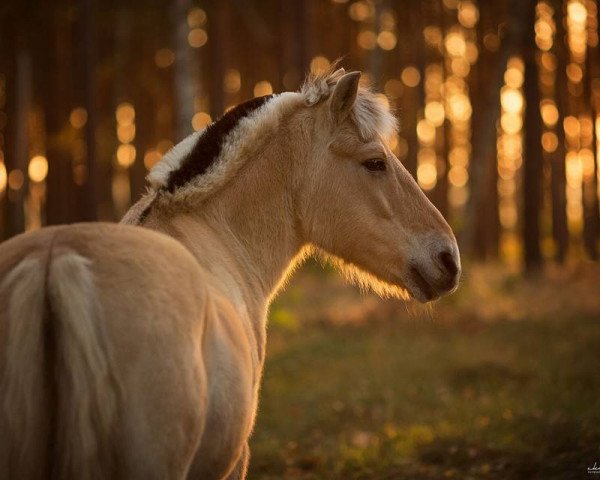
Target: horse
[(135, 350)]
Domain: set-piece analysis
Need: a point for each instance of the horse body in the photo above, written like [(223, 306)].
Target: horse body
[(170, 353), (124, 359)]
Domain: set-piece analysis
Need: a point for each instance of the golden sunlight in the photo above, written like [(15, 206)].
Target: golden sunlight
[(426, 132), (263, 88), (196, 17), (511, 100), (549, 113), (319, 64), (427, 175), (3, 177), (468, 14), (38, 168), (455, 44), (361, 11), (151, 158), (434, 112), (126, 155), (549, 141), (393, 88), (15, 179), (458, 176), (78, 117), (410, 76), (125, 114), (197, 37), (367, 39), (232, 82), (386, 40), (164, 58), (200, 120), (126, 132)]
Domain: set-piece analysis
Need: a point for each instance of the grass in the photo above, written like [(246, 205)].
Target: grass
[(426, 399)]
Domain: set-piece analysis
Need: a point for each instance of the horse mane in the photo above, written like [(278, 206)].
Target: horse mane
[(206, 160)]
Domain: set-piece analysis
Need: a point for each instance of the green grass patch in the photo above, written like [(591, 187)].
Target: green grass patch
[(423, 400)]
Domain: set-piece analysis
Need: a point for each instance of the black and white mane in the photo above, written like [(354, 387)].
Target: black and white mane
[(206, 160)]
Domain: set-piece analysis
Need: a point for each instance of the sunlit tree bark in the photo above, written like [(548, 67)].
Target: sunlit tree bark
[(591, 212), (440, 192), (11, 211), (558, 186), (220, 54), (484, 144), (413, 97), (487, 222), (184, 66), (144, 98)]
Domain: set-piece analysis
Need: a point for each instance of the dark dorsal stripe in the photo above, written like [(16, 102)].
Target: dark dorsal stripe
[(208, 147)]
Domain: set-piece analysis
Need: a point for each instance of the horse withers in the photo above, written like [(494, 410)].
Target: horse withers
[(135, 351)]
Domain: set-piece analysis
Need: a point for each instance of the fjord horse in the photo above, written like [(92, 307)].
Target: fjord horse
[(135, 351)]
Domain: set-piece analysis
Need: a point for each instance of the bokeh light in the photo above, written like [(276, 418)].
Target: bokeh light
[(78, 117), (411, 76), (38, 168), (200, 120)]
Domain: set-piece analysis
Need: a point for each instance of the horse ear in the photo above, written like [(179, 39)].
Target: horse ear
[(338, 73), (344, 96)]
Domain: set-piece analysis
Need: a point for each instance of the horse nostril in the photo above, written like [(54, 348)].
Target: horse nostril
[(448, 262)]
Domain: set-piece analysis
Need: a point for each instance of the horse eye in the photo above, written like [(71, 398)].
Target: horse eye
[(374, 165)]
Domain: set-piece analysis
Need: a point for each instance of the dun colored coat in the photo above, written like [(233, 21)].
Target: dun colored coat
[(135, 351)]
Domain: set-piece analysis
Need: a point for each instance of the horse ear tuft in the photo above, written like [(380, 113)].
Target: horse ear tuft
[(344, 96), (338, 73)]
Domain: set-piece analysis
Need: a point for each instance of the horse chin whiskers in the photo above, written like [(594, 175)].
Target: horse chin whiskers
[(386, 285), (426, 291)]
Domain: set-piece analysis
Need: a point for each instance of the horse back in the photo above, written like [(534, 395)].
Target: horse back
[(112, 310)]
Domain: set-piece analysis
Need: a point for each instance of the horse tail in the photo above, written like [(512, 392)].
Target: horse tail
[(58, 362), (24, 416)]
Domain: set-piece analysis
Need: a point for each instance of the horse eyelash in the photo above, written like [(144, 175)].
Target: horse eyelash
[(374, 165)]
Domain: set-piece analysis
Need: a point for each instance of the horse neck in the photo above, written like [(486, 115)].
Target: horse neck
[(246, 235)]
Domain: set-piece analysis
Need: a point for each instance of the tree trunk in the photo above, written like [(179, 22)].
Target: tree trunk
[(90, 213), (185, 80), (56, 108), (220, 54), (85, 192), (591, 212), (375, 61), (558, 181), (413, 98), (486, 242), (484, 145), (439, 194), (533, 156), (19, 150), (10, 210), (145, 103)]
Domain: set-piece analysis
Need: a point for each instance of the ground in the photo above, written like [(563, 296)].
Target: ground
[(450, 392)]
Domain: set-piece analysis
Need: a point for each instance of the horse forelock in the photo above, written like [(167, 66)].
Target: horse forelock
[(371, 115)]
